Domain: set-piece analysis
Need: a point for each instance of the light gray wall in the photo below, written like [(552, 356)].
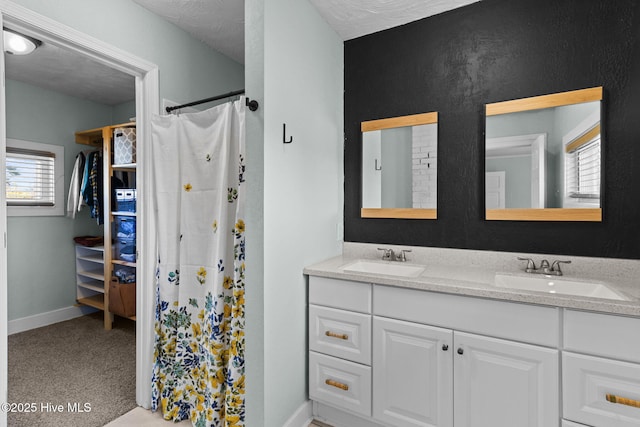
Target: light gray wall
[(301, 200), (255, 290), (123, 113), (397, 144), (517, 179), (570, 116), (40, 250)]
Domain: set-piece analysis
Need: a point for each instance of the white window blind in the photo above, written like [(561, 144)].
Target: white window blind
[(582, 170), (30, 176)]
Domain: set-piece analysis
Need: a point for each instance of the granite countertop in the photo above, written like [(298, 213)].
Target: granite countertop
[(477, 281)]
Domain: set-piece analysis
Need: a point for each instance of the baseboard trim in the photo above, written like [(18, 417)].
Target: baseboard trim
[(338, 418), (302, 417), (49, 318)]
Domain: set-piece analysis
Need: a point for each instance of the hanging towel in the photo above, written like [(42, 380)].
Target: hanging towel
[(73, 200)]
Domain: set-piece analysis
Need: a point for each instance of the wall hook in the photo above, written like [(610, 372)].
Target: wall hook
[(284, 135)]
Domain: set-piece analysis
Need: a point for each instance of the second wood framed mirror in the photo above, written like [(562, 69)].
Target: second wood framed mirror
[(542, 158)]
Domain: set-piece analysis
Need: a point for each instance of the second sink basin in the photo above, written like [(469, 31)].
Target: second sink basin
[(389, 268), (553, 285)]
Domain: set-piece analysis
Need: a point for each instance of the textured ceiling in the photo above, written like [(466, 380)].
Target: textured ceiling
[(355, 18), (218, 23), (67, 72)]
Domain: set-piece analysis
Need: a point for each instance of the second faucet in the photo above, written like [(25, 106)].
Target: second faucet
[(553, 269), (390, 255)]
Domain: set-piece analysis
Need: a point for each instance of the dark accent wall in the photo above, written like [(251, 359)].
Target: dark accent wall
[(491, 51)]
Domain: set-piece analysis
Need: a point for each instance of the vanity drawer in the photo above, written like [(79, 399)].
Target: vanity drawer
[(354, 296), (340, 383), (340, 333), (520, 322), (602, 335), (587, 381)]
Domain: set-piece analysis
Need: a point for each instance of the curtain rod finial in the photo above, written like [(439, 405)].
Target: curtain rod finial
[(252, 104)]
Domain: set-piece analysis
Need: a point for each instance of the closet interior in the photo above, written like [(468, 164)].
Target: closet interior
[(106, 267)]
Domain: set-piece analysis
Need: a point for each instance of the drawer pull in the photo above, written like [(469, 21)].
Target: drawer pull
[(336, 335), (336, 384), (623, 400)]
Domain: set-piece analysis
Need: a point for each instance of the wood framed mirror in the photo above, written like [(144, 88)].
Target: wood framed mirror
[(542, 158), (399, 167)]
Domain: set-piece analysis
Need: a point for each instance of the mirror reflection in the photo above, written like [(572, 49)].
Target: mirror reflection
[(399, 167), (542, 158)]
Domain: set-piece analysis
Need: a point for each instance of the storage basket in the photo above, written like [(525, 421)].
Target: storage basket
[(125, 227), (125, 274), (124, 146), (126, 199), (124, 249), (122, 298)]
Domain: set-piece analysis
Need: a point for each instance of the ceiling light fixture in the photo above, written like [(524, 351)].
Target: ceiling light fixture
[(19, 44)]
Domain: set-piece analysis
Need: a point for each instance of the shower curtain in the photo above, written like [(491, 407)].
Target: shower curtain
[(198, 168)]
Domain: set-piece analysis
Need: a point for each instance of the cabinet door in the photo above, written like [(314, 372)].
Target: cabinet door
[(412, 379), (502, 383)]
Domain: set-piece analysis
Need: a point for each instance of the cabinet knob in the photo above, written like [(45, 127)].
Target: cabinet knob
[(460, 351), (445, 347)]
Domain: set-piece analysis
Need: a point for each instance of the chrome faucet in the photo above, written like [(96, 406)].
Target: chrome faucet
[(387, 254), (553, 269), (390, 255), (402, 256)]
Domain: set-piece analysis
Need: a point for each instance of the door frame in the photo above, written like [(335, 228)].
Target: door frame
[(534, 145), (147, 103)]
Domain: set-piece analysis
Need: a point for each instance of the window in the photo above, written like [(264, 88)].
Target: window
[(34, 178), (582, 168)]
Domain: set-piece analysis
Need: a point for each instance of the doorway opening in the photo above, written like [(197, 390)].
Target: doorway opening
[(143, 77)]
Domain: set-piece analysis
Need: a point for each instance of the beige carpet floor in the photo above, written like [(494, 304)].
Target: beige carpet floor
[(60, 369)]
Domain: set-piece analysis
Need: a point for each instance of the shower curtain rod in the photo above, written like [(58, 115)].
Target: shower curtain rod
[(252, 104)]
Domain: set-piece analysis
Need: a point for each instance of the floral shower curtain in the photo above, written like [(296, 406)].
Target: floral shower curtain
[(198, 167)]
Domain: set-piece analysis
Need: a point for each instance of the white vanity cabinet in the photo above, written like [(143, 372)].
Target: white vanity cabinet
[(436, 359)]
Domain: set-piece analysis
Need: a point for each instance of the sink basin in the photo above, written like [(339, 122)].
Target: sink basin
[(554, 285), (389, 268)]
